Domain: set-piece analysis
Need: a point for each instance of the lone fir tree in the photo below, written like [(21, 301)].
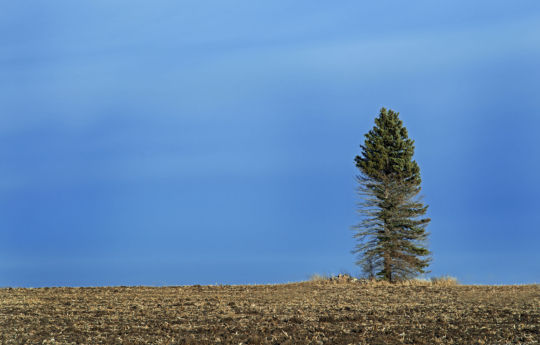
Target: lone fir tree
[(392, 235)]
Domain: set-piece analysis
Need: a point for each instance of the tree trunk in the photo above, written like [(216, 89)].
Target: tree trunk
[(388, 267)]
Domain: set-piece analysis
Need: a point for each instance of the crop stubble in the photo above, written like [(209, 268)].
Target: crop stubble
[(297, 313)]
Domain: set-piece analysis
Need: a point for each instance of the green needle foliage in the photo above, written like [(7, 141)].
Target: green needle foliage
[(392, 235)]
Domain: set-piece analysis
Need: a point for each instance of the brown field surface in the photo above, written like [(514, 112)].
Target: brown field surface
[(320, 312)]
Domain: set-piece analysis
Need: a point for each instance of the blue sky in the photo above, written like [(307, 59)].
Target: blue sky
[(202, 142)]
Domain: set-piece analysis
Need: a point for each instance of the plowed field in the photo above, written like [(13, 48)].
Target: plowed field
[(297, 313)]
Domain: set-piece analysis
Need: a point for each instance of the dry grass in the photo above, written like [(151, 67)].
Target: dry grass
[(436, 281), (444, 281), (320, 312)]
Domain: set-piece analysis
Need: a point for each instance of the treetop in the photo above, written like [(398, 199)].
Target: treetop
[(387, 151)]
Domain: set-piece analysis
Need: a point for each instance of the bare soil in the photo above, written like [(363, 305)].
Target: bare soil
[(326, 312)]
